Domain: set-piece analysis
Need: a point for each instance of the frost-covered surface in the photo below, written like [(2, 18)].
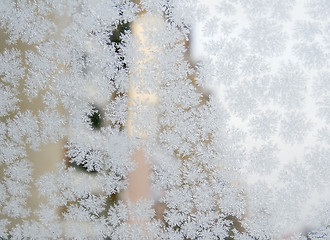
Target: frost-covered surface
[(248, 160)]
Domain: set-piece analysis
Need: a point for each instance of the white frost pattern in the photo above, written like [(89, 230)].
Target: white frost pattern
[(238, 144)]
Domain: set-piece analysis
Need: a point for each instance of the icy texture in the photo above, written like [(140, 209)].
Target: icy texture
[(238, 144)]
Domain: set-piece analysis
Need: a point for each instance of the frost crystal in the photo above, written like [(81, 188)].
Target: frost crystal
[(110, 129)]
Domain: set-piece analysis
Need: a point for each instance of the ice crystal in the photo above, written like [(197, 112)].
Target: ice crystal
[(110, 129)]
